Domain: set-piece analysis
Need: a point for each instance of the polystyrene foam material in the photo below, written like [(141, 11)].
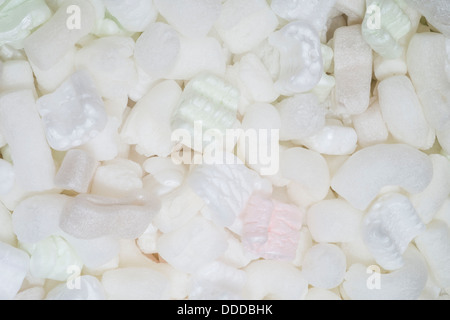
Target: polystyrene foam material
[(76, 97), (13, 268), (428, 202), (192, 245), (22, 129), (85, 287), (367, 171), (324, 266), (110, 62), (301, 116), (406, 283), (37, 217), (192, 18), (148, 124), (117, 178), (434, 244), (388, 228), (242, 26), (356, 251), (269, 56), (51, 258), (165, 171), (324, 88), (105, 146), (370, 126), (236, 255), (304, 244), (198, 55), (47, 46), (135, 284), (7, 234), (315, 13), (436, 12), (333, 139), (216, 184), (334, 221), (307, 169), (34, 293), (272, 280), (16, 75), (443, 213), (353, 9), (177, 208), (301, 64), (7, 177), (89, 216), (217, 281), (402, 111), (271, 228), (321, 294), (76, 171), (394, 24), (385, 68), (133, 15), (352, 70)]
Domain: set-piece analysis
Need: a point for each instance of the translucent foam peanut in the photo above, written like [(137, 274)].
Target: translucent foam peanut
[(334, 221), (192, 18), (324, 266), (76, 171), (193, 245), (90, 288), (428, 202), (273, 280), (89, 216), (388, 228), (47, 46), (7, 178), (133, 15), (13, 269), (242, 26), (352, 70), (436, 12), (135, 284), (301, 64), (73, 114), (148, 124), (370, 126), (37, 217), (301, 116), (403, 112), (271, 228), (434, 244), (22, 129), (367, 171), (366, 283)]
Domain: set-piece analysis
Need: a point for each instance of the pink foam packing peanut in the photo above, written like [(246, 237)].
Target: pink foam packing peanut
[(271, 228)]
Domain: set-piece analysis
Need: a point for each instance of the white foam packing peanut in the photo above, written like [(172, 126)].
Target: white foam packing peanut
[(334, 221), (406, 283), (193, 245), (353, 9), (192, 18), (16, 75), (7, 234), (370, 126), (321, 294), (37, 217), (268, 279), (301, 64), (135, 284), (403, 112), (428, 202), (165, 171), (73, 114), (217, 185), (301, 116), (13, 269), (315, 12), (109, 61), (89, 216), (76, 171), (242, 26), (217, 281), (7, 177), (388, 228), (308, 174), (434, 244), (367, 171), (385, 68), (436, 12), (431, 81), (22, 129), (352, 69), (105, 146), (133, 15), (148, 124), (84, 287), (47, 46)]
